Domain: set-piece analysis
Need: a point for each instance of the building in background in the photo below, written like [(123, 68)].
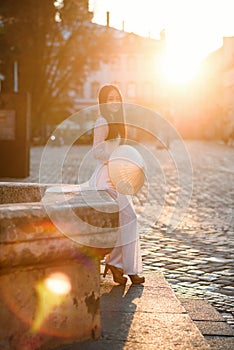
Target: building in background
[(134, 64), (200, 109), (217, 100)]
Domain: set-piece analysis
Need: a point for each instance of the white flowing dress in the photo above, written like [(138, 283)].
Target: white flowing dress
[(126, 254)]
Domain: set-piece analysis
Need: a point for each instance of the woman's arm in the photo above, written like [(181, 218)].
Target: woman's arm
[(101, 130)]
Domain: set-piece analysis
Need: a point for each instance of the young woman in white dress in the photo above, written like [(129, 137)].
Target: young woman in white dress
[(109, 133)]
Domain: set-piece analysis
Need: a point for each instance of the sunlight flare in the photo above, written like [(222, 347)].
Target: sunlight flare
[(178, 69), (51, 293)]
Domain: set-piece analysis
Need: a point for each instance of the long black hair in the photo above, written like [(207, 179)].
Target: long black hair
[(117, 124)]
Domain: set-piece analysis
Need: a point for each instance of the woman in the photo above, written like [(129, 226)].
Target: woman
[(109, 133)]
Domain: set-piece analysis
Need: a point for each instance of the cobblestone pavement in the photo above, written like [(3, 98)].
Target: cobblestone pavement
[(196, 257)]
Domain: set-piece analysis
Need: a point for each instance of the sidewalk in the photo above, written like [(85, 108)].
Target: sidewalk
[(150, 316)]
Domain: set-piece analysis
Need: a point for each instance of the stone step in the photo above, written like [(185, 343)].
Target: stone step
[(143, 317), (214, 328)]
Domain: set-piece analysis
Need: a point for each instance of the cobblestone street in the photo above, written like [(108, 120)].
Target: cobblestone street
[(196, 257)]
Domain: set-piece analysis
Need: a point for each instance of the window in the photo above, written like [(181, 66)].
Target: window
[(94, 89), (147, 92), (79, 91), (131, 90), (115, 63), (131, 63)]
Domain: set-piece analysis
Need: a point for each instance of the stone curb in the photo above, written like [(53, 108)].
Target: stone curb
[(147, 316)]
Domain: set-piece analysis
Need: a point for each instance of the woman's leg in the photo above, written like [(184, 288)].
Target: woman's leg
[(127, 257), (127, 253)]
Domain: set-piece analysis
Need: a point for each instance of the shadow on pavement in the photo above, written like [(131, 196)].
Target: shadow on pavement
[(117, 313)]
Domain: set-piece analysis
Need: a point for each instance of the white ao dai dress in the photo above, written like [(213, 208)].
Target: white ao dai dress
[(126, 254)]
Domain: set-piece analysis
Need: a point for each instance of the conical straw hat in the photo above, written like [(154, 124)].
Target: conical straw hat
[(126, 169)]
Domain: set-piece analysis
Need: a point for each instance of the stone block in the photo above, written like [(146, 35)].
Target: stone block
[(221, 343), (44, 307), (200, 310), (214, 328), (164, 331), (153, 299), (20, 192), (49, 277)]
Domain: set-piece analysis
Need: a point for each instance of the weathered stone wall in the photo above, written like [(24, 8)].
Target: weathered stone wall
[(36, 255), (15, 192)]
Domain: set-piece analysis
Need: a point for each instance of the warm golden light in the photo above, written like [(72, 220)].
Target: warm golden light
[(179, 69), (191, 34), (51, 293), (58, 283), (193, 28)]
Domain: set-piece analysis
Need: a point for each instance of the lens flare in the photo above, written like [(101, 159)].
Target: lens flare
[(58, 283), (51, 293), (146, 128)]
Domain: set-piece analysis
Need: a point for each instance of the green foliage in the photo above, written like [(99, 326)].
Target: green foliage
[(53, 57)]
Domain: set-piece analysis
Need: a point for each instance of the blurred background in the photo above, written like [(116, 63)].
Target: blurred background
[(175, 57), (170, 58)]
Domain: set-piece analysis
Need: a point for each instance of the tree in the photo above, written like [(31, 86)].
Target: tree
[(55, 47)]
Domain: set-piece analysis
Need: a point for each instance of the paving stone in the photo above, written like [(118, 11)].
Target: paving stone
[(204, 238), (187, 279), (225, 282), (130, 320), (196, 272), (214, 328), (165, 331), (209, 277), (200, 310), (220, 343)]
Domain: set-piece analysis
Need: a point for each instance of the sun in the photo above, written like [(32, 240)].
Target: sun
[(194, 28), (185, 48), (184, 52), (192, 32), (179, 66)]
